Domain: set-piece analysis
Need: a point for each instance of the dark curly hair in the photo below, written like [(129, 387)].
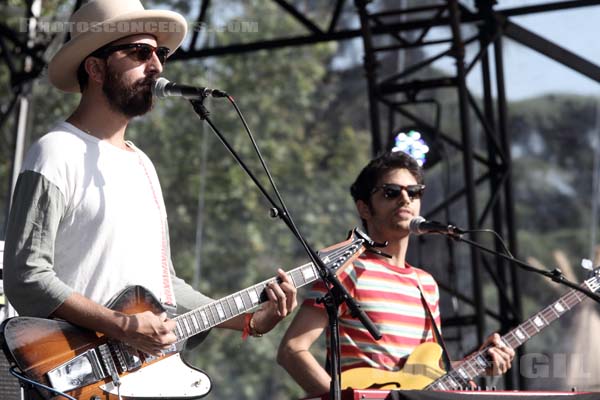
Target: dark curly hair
[(363, 186), (367, 179)]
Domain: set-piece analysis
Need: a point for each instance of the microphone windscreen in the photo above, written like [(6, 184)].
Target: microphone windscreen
[(413, 225), (158, 89)]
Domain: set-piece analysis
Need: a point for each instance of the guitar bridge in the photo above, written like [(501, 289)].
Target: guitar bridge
[(82, 370), (128, 357)]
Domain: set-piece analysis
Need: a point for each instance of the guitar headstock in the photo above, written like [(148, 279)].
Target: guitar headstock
[(343, 253), (593, 283)]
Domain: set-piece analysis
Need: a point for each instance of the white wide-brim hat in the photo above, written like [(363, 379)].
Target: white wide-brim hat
[(100, 22)]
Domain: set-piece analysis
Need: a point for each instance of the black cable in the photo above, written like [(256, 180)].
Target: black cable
[(265, 168), (504, 246), (292, 224), (271, 181), (276, 191), (14, 373)]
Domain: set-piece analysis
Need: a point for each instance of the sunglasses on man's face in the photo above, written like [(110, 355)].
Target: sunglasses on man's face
[(139, 51), (393, 191)]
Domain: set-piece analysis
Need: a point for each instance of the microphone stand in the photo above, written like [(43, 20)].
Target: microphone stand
[(338, 293), (556, 274)]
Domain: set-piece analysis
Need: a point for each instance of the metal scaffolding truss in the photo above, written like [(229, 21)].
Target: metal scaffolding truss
[(384, 27), (21, 53), (394, 94)]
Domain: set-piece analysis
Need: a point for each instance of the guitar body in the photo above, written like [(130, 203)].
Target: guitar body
[(421, 368), (41, 346)]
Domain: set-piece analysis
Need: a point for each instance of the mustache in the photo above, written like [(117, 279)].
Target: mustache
[(145, 83)]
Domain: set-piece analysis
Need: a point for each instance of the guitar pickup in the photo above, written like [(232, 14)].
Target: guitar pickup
[(82, 370)]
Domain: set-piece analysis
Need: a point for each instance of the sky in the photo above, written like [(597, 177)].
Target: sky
[(529, 73)]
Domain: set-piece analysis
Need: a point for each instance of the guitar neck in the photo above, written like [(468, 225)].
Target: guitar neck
[(219, 311), (476, 364)]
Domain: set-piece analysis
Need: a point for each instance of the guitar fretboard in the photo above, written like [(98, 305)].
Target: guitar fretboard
[(219, 311), (476, 364)]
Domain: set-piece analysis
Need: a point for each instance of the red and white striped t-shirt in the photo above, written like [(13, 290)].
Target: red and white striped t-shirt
[(391, 298)]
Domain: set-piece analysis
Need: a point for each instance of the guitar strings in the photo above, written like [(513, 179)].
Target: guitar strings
[(193, 314)]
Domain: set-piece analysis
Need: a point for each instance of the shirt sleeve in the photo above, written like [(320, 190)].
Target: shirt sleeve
[(187, 297), (30, 282)]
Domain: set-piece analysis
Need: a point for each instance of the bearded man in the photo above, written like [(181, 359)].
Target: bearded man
[(88, 217)]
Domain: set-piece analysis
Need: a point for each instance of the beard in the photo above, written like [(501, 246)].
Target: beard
[(131, 100)]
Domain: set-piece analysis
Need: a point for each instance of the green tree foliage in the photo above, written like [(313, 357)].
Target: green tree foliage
[(553, 141), (555, 164)]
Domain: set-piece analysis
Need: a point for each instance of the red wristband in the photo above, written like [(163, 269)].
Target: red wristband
[(246, 331)]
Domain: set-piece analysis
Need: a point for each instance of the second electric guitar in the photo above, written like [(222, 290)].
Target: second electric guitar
[(422, 369)]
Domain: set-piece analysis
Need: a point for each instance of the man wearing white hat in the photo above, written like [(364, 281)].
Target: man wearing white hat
[(88, 217)]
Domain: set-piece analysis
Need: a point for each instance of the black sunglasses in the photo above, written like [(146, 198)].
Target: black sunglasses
[(141, 51), (393, 191)]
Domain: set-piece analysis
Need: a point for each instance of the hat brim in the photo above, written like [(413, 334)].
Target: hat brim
[(169, 29)]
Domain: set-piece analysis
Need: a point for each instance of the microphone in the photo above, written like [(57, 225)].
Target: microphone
[(420, 226), (163, 88)]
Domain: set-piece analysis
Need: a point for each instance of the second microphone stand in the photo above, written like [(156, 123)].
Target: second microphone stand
[(556, 274)]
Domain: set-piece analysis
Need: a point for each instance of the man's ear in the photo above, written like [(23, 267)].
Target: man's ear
[(364, 211), (95, 68)]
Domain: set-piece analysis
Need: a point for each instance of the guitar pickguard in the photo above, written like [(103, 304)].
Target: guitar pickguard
[(170, 378)]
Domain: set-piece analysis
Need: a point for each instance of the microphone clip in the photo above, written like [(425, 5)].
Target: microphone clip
[(198, 105), (453, 231)]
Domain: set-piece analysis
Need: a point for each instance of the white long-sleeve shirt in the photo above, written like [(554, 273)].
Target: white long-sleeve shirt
[(88, 217)]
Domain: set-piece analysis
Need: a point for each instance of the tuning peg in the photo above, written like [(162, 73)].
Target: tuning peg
[(587, 264)]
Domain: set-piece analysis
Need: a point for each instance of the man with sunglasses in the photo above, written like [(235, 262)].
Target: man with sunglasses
[(88, 217), (394, 294)]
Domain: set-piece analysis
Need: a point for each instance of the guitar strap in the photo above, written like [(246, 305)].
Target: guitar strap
[(168, 295), (436, 330)]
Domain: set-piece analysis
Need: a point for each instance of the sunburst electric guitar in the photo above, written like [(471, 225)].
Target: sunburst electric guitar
[(89, 366), (422, 368)]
